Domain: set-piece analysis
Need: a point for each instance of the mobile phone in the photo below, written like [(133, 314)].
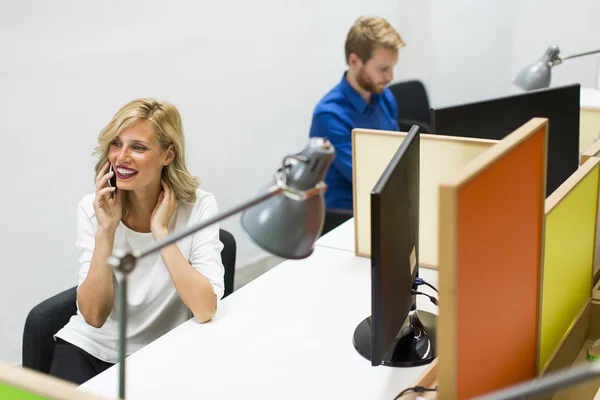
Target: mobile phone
[(112, 182)]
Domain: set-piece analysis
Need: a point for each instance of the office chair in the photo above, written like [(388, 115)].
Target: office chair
[(335, 217), (48, 317), (413, 105)]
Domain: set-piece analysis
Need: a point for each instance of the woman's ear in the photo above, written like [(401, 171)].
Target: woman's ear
[(170, 155)]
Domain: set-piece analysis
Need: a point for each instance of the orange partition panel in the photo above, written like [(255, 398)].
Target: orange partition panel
[(491, 246)]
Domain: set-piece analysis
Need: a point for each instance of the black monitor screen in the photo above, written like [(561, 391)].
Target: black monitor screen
[(394, 244), (496, 118)]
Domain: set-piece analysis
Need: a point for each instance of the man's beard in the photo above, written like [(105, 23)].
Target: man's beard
[(366, 83)]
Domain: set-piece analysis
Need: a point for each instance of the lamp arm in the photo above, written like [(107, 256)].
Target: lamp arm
[(546, 384), (587, 53), (273, 191)]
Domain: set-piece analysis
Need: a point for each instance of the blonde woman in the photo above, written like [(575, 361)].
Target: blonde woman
[(154, 195)]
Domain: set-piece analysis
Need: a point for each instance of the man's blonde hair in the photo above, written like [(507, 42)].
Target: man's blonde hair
[(369, 34), (166, 123)]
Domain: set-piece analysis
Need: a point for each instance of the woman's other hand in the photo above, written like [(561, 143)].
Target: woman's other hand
[(163, 212)]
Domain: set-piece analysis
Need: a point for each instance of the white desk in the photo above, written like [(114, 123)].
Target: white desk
[(340, 238), (589, 98), (287, 334), (589, 122)]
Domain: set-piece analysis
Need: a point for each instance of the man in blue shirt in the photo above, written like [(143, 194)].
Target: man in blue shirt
[(360, 100)]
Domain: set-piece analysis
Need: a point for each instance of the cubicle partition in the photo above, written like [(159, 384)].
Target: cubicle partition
[(591, 151), (497, 117), (18, 383), (594, 151), (570, 236), (372, 150), (490, 259), (589, 118)]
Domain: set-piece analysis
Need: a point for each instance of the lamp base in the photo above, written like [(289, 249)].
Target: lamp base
[(414, 345)]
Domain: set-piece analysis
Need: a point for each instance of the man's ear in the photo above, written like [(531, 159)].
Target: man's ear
[(354, 61), (170, 155)]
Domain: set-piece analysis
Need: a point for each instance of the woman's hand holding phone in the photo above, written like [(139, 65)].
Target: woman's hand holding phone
[(107, 203)]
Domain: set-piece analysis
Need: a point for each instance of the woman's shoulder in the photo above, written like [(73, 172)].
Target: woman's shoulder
[(202, 196), (204, 200), (204, 205)]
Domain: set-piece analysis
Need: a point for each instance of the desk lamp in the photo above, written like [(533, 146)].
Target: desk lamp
[(285, 219), (537, 75)]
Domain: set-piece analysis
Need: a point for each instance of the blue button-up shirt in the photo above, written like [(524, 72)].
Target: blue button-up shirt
[(340, 111)]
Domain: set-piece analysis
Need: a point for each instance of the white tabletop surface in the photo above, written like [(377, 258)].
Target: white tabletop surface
[(287, 334), (589, 98), (341, 238)]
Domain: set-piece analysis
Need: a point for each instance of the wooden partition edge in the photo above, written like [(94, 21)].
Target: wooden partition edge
[(594, 331), (429, 266), (354, 213), (427, 379), (447, 281), (570, 184), (591, 151)]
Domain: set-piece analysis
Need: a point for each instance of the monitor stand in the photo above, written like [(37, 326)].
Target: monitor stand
[(414, 345)]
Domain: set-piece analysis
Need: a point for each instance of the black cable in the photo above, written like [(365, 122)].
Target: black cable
[(421, 281), (416, 389), (433, 299), (430, 285)]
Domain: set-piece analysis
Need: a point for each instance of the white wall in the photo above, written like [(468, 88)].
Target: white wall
[(244, 74), (415, 61), (454, 45), (573, 25), (469, 50)]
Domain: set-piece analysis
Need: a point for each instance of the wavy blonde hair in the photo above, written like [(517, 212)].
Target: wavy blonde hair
[(166, 121), (369, 34)]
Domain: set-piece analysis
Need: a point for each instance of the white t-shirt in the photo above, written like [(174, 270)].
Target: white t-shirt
[(154, 306)]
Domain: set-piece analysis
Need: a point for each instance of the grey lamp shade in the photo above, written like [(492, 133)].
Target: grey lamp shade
[(538, 74), (285, 225)]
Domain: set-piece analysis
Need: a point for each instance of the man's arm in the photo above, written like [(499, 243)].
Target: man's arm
[(329, 125)]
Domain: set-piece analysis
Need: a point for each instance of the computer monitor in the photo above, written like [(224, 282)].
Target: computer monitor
[(496, 118), (396, 334)]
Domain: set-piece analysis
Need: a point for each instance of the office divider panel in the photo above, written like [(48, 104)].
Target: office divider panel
[(571, 214), (440, 156), (491, 238), (495, 118), (24, 384), (594, 151)]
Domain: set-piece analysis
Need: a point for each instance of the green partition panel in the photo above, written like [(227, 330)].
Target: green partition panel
[(14, 393), (17, 383), (570, 230)]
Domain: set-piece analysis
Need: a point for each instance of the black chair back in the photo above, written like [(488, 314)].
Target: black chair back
[(228, 256), (413, 105), (335, 217)]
